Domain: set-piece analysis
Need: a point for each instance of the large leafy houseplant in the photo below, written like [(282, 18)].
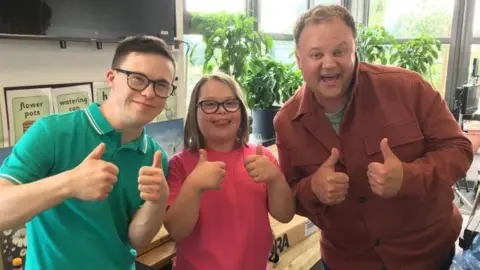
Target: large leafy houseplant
[(230, 40), (376, 45), (267, 83), (372, 44), (417, 54)]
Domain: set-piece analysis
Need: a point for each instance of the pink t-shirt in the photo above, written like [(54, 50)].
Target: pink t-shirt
[(233, 229)]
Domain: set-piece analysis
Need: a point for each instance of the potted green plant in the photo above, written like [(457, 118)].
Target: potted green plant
[(418, 54), (267, 83), (373, 44), (231, 39)]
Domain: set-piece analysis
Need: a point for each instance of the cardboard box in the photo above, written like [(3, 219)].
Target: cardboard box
[(288, 235), (303, 255)]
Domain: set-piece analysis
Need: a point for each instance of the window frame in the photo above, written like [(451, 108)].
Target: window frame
[(452, 41)]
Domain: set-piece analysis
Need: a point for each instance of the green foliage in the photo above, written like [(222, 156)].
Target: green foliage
[(417, 54), (269, 82), (429, 17), (376, 45), (371, 44), (234, 47), (292, 80), (230, 41)]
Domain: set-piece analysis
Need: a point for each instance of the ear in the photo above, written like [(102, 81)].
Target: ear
[(110, 77), (297, 57)]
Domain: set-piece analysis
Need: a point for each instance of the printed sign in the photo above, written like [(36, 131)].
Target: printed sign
[(101, 90), (25, 107), (68, 99)]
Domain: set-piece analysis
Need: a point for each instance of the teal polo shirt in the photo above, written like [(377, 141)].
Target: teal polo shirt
[(80, 234)]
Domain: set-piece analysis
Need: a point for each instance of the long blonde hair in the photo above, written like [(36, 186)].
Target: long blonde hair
[(193, 138)]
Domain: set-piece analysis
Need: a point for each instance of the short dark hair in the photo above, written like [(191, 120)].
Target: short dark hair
[(141, 44), (322, 13)]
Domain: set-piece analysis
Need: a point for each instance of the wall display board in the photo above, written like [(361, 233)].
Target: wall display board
[(24, 107), (169, 134), (68, 99), (101, 90)]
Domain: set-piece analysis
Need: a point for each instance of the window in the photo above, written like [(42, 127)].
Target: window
[(283, 50), (411, 18), (328, 2), (278, 18), (476, 20), (475, 53), (215, 5), (195, 59), (439, 69)]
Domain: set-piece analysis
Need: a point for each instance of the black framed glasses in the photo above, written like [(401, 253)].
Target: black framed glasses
[(138, 82), (212, 106)]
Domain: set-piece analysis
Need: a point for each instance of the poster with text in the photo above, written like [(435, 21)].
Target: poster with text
[(101, 90), (69, 99), (4, 142), (24, 106)]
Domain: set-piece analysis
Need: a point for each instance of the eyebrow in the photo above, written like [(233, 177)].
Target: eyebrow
[(341, 44)]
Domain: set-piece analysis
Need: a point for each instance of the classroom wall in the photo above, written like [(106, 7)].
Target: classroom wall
[(28, 62)]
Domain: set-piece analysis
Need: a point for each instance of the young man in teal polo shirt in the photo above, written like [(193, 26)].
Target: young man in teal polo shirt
[(90, 185)]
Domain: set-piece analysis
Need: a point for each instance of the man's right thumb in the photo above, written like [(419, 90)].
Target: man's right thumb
[(97, 152), (332, 159), (203, 155)]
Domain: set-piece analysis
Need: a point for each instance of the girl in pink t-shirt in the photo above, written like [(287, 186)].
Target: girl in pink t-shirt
[(222, 188)]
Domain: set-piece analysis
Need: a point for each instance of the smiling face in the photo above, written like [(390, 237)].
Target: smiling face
[(326, 56), (218, 113), (138, 108)]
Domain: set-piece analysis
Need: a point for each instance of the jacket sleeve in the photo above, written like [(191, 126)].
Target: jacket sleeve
[(306, 204), (448, 152)]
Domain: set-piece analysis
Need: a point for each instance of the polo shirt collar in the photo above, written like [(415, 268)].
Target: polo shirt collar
[(100, 124)]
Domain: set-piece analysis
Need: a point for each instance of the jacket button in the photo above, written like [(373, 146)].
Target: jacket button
[(363, 200), (377, 242)]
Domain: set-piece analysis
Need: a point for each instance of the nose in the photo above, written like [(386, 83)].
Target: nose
[(221, 109), (149, 92), (329, 62)]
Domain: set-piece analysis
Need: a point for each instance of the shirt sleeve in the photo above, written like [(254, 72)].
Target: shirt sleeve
[(32, 157), (449, 152), (176, 177), (306, 204)]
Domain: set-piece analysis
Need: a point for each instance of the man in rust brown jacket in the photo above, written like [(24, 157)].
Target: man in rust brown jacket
[(371, 153)]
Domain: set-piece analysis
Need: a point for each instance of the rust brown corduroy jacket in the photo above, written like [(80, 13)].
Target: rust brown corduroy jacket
[(414, 230)]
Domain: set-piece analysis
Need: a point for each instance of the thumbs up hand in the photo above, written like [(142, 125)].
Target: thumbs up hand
[(94, 178), (151, 180), (386, 179), (330, 187), (207, 174), (261, 168)]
